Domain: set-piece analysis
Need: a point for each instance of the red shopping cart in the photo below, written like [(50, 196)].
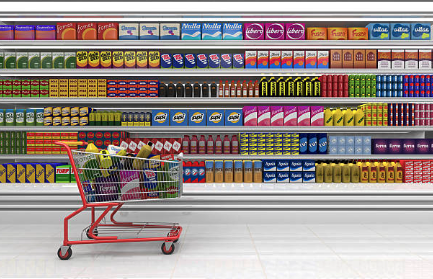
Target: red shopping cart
[(108, 181)]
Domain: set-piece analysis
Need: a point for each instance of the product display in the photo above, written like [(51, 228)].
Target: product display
[(32, 173)]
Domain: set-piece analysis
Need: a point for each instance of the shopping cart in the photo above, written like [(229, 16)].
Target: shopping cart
[(108, 181)]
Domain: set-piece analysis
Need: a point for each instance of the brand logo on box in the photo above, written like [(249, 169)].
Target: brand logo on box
[(179, 117), (216, 117), (197, 117), (275, 31), (160, 117), (254, 31), (166, 58), (190, 58), (202, 58), (234, 117)]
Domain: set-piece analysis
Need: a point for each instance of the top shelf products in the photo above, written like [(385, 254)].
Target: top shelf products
[(213, 31)]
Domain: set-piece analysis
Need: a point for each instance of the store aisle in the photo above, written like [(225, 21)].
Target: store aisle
[(231, 251)]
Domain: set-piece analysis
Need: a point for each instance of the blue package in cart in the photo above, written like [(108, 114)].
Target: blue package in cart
[(178, 117), (197, 117), (283, 177), (420, 31), (149, 31), (89, 192), (269, 177), (191, 31), (211, 31), (232, 31), (215, 117), (214, 60), (169, 31), (190, 61), (202, 61), (400, 31), (160, 117), (238, 60), (378, 31), (226, 60), (233, 117)]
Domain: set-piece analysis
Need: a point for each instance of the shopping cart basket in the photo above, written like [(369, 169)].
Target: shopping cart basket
[(108, 181)]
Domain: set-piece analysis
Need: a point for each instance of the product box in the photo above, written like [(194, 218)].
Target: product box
[(24, 32), (322, 59), (277, 116), (226, 60), (149, 31), (214, 60), (287, 59), (274, 31), (86, 31), (154, 59), (304, 116), (142, 59), (308, 177), (191, 31), (310, 59), (215, 117), (400, 31), (283, 177), (233, 117), (238, 60), (397, 59), (290, 116), (59, 59), (348, 58), (211, 31), (422, 146), (269, 165), (359, 58), (6, 32), (160, 117), (299, 59), (178, 61), (295, 31), (66, 31), (296, 177), (337, 33), (108, 31), (178, 117), (263, 116), (250, 115), (197, 117), (425, 59), (232, 31), (420, 31), (411, 59), (317, 116), (22, 60), (169, 31), (378, 31), (262, 59), (317, 33), (128, 31), (269, 177), (336, 58), (384, 59), (250, 59), (190, 61), (371, 58), (296, 165), (45, 32), (10, 60), (254, 31), (283, 165), (274, 59), (357, 33)]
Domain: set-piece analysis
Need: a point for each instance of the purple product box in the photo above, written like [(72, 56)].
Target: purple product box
[(290, 116), (24, 32), (277, 116), (190, 61), (226, 60), (106, 188), (409, 146), (214, 60), (250, 115), (317, 116), (264, 116), (166, 60), (380, 146), (202, 61), (274, 31), (395, 146), (422, 146), (295, 31), (6, 32), (130, 185), (46, 32), (254, 31), (238, 60), (178, 61), (304, 116)]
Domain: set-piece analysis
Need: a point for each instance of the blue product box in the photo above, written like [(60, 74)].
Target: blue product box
[(214, 60), (283, 165), (178, 117), (215, 117), (323, 143), (400, 31), (202, 61), (312, 143), (378, 31), (303, 143), (232, 31), (296, 177), (169, 31), (358, 150), (166, 60), (308, 165), (149, 31), (295, 165), (269, 165), (341, 140), (211, 31), (333, 150), (420, 31), (129, 31), (366, 150), (350, 149), (238, 60), (190, 61), (341, 149), (366, 141), (160, 117), (191, 31), (226, 60), (197, 117), (309, 177), (283, 177), (350, 140), (333, 140), (269, 177), (359, 140), (178, 61), (233, 117)]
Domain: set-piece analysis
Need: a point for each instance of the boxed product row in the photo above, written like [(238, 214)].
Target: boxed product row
[(404, 59), (201, 145), (283, 115), (197, 117), (118, 59), (102, 139), (44, 143), (285, 171), (13, 143), (78, 88), (404, 86), (228, 171), (417, 171), (132, 88), (24, 88), (399, 31), (280, 143), (359, 145), (402, 146), (37, 60), (159, 146), (32, 173), (21, 117)]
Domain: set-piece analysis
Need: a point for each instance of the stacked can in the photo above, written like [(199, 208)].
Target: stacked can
[(269, 144), (362, 86), (389, 86), (66, 116), (417, 86)]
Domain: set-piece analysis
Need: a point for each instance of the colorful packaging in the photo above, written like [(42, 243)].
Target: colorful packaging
[(250, 115), (357, 33), (384, 59), (295, 31), (317, 33), (108, 31), (160, 117), (66, 31), (130, 184), (378, 31), (298, 59), (128, 31), (263, 116), (254, 31), (226, 60), (149, 31), (310, 59), (24, 32), (211, 31), (191, 31), (425, 59), (323, 59), (166, 61), (337, 33), (400, 31), (274, 59), (214, 60), (142, 59), (154, 59), (197, 117), (86, 31), (269, 177), (238, 60), (274, 31), (304, 116), (45, 32), (290, 116), (232, 31), (250, 59), (411, 59), (202, 61), (6, 32), (277, 116), (233, 117), (215, 117), (262, 59), (420, 31), (287, 59), (308, 177), (169, 31)]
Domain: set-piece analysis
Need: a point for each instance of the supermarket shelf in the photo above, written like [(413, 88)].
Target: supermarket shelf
[(203, 101), (221, 44), (33, 157), (226, 129), (199, 72)]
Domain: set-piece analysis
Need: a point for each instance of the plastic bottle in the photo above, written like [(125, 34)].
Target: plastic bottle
[(372, 172), (337, 116), (250, 89), (282, 88), (364, 173), (256, 89), (381, 173), (202, 145), (319, 173), (171, 90), (390, 173), (348, 117), (221, 89), (233, 89), (188, 90), (272, 83), (244, 89), (239, 89), (345, 173), (193, 145), (263, 91), (336, 173), (218, 145), (213, 89), (226, 89), (197, 90), (354, 173), (186, 144), (328, 173), (359, 117), (329, 118), (398, 170), (235, 145), (226, 145), (180, 90), (210, 145), (162, 92), (205, 90)]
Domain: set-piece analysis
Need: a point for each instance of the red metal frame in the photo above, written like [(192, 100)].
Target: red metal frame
[(172, 236)]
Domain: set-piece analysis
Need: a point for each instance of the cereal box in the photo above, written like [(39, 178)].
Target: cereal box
[(128, 31), (317, 33), (169, 31), (357, 33), (411, 59), (425, 58), (108, 31), (250, 59), (232, 31), (262, 59), (66, 31), (254, 31), (298, 59), (191, 31), (45, 32), (6, 32), (310, 59), (397, 57), (378, 31), (384, 59), (337, 33), (86, 31), (286, 59), (323, 59), (154, 59), (274, 59), (149, 31), (274, 31)]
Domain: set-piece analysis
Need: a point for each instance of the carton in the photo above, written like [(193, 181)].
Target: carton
[(269, 177), (108, 31), (262, 59), (400, 31), (232, 31), (371, 58), (312, 143), (10, 60), (378, 31), (397, 59), (269, 165), (22, 60), (82, 59), (274, 31), (357, 33), (70, 60), (233, 117), (196, 117), (317, 33), (384, 59), (286, 59), (250, 115), (264, 116), (309, 177), (24, 32), (337, 33), (359, 61), (226, 61), (11, 173), (298, 59), (274, 59), (336, 58), (66, 31), (6, 32), (214, 60), (317, 116), (160, 117), (283, 165), (211, 31), (191, 31), (310, 59), (296, 177), (420, 31), (154, 59), (169, 31), (304, 116), (130, 59), (348, 58), (295, 31), (3, 171), (59, 60), (209, 165), (283, 177), (87, 31), (178, 117), (411, 59), (128, 31), (219, 171), (238, 60), (425, 58), (277, 116), (45, 32), (215, 117), (290, 116), (254, 31), (149, 31), (190, 61), (228, 171), (250, 59)]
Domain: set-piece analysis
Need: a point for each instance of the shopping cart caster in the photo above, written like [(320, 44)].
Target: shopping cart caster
[(175, 241), (95, 233), (169, 251), (64, 253)]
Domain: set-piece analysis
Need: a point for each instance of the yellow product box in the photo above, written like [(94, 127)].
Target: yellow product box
[(141, 59), (73, 82), (21, 173), (54, 93), (40, 173), (130, 59), (73, 93), (53, 83), (385, 114), (105, 58), (102, 93), (82, 83), (63, 82), (93, 59), (92, 82), (118, 59), (92, 93), (11, 173), (63, 92), (154, 59), (102, 83), (82, 59), (50, 173), (30, 173), (2, 173)]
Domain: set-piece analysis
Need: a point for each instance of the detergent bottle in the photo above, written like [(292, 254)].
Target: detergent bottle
[(359, 117), (337, 116), (348, 117), (329, 120)]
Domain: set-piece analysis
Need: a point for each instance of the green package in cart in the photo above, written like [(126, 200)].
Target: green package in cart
[(34, 60)]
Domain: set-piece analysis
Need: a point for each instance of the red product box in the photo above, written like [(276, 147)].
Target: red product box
[(108, 31), (90, 136), (115, 142), (107, 135), (176, 145), (56, 150), (167, 157), (47, 150), (116, 136), (47, 142), (39, 136), (124, 143), (167, 147), (44, 93), (99, 136), (66, 31), (142, 142), (107, 142), (99, 144), (132, 148), (31, 150), (16, 93), (47, 135), (86, 31), (158, 146)]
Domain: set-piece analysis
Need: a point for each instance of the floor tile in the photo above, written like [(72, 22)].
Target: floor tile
[(338, 230), (392, 230), (290, 248)]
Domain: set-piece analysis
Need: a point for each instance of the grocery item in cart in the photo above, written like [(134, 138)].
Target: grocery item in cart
[(106, 188)]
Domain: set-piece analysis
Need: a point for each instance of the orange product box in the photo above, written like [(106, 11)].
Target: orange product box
[(336, 58), (86, 31), (371, 58), (347, 58), (359, 61), (317, 33), (47, 150), (39, 136), (30, 150), (411, 59), (66, 31), (108, 31), (357, 33), (337, 33), (31, 135)]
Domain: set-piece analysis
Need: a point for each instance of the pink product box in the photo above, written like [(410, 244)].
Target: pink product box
[(254, 31), (263, 116), (274, 31), (250, 116), (295, 31), (317, 116), (304, 116), (290, 116), (277, 116)]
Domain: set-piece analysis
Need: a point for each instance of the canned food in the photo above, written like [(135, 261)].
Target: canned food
[(75, 111), (66, 121), (39, 117), (75, 121), (48, 111), (57, 111), (66, 111), (48, 121), (84, 121), (57, 121), (84, 111)]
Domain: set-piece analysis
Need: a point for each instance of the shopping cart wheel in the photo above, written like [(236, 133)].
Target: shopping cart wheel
[(175, 241), (95, 233), (67, 254), (169, 251)]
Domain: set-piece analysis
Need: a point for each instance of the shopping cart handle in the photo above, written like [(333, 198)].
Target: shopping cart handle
[(70, 143)]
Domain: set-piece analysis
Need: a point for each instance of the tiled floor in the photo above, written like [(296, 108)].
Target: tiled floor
[(231, 251)]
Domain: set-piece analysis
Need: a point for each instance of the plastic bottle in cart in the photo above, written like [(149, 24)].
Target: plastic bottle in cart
[(210, 145), (202, 145), (235, 144), (186, 144), (218, 145), (226, 145), (193, 145)]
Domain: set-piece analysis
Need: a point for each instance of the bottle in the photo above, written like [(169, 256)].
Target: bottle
[(226, 145), (251, 89), (213, 89), (290, 87), (256, 89), (272, 87), (193, 145), (299, 87), (162, 92), (348, 117), (364, 173), (186, 145), (226, 89), (329, 119), (143, 153), (336, 173), (398, 170), (205, 90), (317, 88), (210, 145), (345, 173), (308, 87), (233, 89), (202, 145), (238, 89), (235, 145), (372, 172), (244, 89), (328, 173), (188, 90), (319, 173), (218, 145), (359, 117), (171, 90), (263, 91), (180, 90), (197, 90), (381, 173), (282, 89), (390, 173), (221, 90), (354, 173), (337, 116)]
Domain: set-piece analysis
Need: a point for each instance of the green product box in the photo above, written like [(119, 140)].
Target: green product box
[(362, 92), (368, 91), (111, 117), (2, 59), (46, 60), (10, 60), (22, 60), (2, 117), (63, 174), (357, 91), (10, 117), (98, 118), (373, 90), (92, 119), (118, 118), (39, 116), (58, 60), (34, 60), (24, 143), (20, 117), (30, 117), (104, 119), (70, 60)]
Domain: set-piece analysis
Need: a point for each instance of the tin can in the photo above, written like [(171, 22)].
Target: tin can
[(406, 79), (57, 121), (48, 111), (48, 121), (84, 121), (57, 111), (75, 121), (66, 111)]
